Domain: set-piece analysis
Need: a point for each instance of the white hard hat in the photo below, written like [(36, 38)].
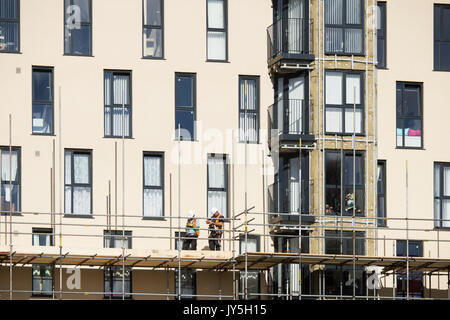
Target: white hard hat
[(214, 210), (191, 213)]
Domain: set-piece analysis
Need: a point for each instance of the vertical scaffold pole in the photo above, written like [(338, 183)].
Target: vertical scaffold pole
[(61, 188), (407, 236), (10, 209), (179, 212), (123, 201)]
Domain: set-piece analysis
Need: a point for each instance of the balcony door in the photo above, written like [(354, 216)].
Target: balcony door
[(290, 17), (290, 95)]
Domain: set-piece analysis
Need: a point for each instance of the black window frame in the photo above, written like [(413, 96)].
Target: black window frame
[(438, 224), (161, 187), (438, 39), (108, 275), (347, 184), (242, 110), (129, 106), (18, 181), (224, 29), (39, 293), (47, 232), (344, 106), (381, 34), (82, 24), (403, 117), (381, 195), (226, 182), (45, 103), (193, 284), (17, 21), (115, 235), (413, 276), (72, 184), (193, 108), (344, 26), (146, 27), (343, 238)]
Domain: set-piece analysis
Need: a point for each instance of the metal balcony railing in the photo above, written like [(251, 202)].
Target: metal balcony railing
[(290, 36), (288, 117)]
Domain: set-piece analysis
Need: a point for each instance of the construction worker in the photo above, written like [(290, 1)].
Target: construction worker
[(215, 229), (192, 232)]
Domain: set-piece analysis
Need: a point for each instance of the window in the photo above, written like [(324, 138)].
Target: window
[(42, 237), (118, 103), (153, 184), (381, 34), (409, 115), (10, 180), (344, 25), (415, 249), (188, 284), (341, 242), (117, 283), (153, 29), (344, 102), (381, 193), (9, 25), (78, 27), (42, 280), (217, 30), (442, 37), (335, 169), (442, 195), (248, 109), (78, 182), (42, 100), (218, 183), (113, 239), (339, 280), (185, 105)]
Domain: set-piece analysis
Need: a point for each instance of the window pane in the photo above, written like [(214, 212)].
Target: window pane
[(333, 119), (217, 199), (216, 173), (8, 9), (184, 92), (80, 7), (216, 45), (152, 12), (248, 127), (446, 181), (334, 40), (350, 117), (413, 133), (444, 54), (248, 93), (437, 180), (5, 163), (333, 168), (81, 168), (381, 57), (334, 88), (68, 200), (9, 36), (185, 119), (445, 20), (353, 40), (400, 133), (354, 11), (121, 89), (153, 202), (353, 88), (152, 171), (153, 43), (78, 41), (446, 213), (82, 200), (437, 213), (380, 177), (10, 197), (216, 14), (42, 118), (42, 86), (352, 201), (119, 121), (412, 101), (333, 11), (348, 170)]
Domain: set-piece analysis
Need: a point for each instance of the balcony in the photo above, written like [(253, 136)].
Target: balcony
[(289, 40), (288, 122), (287, 203)]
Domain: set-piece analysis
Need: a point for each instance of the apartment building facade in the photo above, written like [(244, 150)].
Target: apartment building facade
[(283, 122)]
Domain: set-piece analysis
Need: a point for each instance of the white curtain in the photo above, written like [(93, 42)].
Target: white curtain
[(216, 45), (216, 14), (446, 181), (294, 189), (120, 89), (120, 98), (333, 88), (217, 199), (5, 165), (81, 168), (349, 120), (353, 40), (117, 120), (82, 200), (333, 15), (295, 116), (153, 202), (333, 118), (216, 172), (68, 168), (251, 245), (446, 213), (295, 26), (68, 199), (353, 11), (333, 11), (248, 125), (353, 82), (152, 171)]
